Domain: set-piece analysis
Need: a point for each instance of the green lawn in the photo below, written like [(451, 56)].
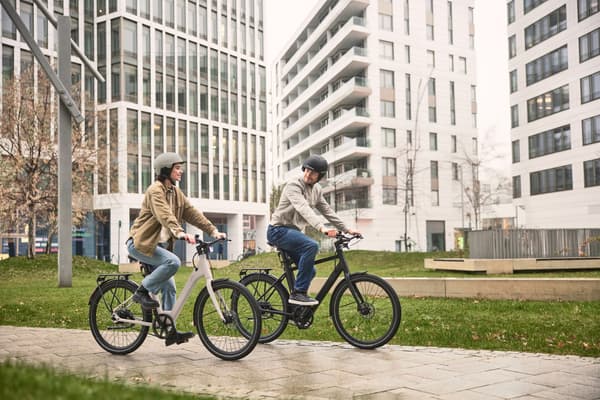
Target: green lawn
[(24, 382), (29, 296)]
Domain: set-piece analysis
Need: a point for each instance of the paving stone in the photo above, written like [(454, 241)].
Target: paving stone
[(304, 370)]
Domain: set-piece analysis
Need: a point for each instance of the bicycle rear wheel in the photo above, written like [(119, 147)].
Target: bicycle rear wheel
[(238, 334), (117, 337), (272, 298), (371, 322)]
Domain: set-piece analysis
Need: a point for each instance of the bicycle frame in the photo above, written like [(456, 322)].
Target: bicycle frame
[(200, 270), (340, 268)]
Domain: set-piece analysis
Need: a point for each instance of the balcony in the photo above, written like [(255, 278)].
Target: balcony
[(308, 41), (358, 177), (344, 92), (350, 62), (348, 120)]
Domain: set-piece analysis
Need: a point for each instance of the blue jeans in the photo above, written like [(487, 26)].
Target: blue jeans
[(161, 279), (301, 248)]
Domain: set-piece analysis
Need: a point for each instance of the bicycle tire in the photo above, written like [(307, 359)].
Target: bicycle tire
[(271, 296), (117, 337), (238, 335), (374, 322)]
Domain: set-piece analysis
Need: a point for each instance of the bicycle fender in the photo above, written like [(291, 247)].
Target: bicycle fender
[(98, 289), (338, 287)]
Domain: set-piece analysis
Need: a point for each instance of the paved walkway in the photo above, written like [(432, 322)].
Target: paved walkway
[(315, 370)]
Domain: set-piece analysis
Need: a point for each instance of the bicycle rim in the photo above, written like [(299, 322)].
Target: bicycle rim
[(117, 337), (235, 337), (272, 299), (373, 322)]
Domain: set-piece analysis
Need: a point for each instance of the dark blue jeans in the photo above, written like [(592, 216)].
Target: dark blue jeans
[(301, 248)]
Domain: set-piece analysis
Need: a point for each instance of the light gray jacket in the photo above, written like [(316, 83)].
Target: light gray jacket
[(297, 204)]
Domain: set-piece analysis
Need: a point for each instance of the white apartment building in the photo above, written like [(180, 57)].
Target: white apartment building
[(184, 76), (554, 65), (385, 91)]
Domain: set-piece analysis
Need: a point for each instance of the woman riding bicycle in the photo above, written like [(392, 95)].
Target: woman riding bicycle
[(293, 214), (154, 231)]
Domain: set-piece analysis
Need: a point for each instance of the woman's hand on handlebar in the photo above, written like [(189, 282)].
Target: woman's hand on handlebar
[(191, 239), (220, 235)]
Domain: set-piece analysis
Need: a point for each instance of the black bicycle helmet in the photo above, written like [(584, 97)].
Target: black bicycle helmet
[(163, 164), (316, 163)]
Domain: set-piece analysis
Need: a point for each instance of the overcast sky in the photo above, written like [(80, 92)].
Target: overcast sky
[(283, 19)]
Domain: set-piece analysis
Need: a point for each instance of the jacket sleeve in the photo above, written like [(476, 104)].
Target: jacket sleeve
[(295, 195), (325, 209)]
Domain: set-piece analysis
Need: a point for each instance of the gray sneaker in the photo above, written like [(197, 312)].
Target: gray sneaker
[(302, 299)]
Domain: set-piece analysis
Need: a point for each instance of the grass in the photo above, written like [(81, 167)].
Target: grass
[(24, 382), (29, 296)]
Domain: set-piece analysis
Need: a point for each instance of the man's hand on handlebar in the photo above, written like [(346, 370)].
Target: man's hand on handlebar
[(354, 233), (329, 232)]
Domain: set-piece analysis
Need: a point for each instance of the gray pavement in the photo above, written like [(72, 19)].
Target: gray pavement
[(314, 370)]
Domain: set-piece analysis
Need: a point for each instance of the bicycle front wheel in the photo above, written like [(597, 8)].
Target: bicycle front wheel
[(109, 299), (236, 335), (371, 320)]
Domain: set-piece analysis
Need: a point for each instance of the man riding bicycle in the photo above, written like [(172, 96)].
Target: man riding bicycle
[(295, 211)]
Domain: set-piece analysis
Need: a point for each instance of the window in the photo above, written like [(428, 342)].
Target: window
[(475, 145), (430, 32), (586, 8), (432, 110), (514, 116), (433, 142), (386, 50), (529, 5), (548, 103), (546, 27), (406, 17), (589, 45), (516, 186), (454, 171), (512, 46), (430, 58), (591, 172), (547, 65), (513, 81), (590, 130), (409, 138), (407, 53), (451, 62), (462, 61), (590, 87), (388, 137), (407, 97), (453, 146), (450, 24), (388, 166), (551, 141), (390, 195), (551, 180), (510, 11), (452, 105), (387, 109), (516, 151), (385, 22), (386, 79)]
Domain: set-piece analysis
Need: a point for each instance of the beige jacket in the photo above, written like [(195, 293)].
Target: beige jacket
[(168, 208), (297, 204)]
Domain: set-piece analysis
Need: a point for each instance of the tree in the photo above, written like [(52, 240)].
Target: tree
[(29, 154), (275, 196), (476, 195)]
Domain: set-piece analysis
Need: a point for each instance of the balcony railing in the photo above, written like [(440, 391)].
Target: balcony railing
[(353, 204)]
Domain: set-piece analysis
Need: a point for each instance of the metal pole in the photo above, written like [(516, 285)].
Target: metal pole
[(74, 46), (65, 187)]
